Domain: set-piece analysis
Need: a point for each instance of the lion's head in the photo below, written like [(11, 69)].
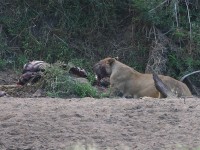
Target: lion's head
[(103, 68)]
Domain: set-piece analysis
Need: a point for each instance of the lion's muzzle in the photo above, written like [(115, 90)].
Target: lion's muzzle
[(100, 71)]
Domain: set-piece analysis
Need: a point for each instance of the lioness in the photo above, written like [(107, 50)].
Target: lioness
[(131, 83)]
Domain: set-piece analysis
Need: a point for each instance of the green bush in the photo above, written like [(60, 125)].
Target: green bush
[(84, 90), (58, 83), (85, 31)]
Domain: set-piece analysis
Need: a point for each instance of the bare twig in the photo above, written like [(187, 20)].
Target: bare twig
[(176, 13), (188, 13), (47, 38), (157, 56), (159, 5), (60, 39), (185, 76)]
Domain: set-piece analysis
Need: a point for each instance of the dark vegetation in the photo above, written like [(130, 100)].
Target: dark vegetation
[(159, 34)]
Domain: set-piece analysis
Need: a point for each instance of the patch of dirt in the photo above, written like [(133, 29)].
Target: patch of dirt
[(117, 124), (8, 84)]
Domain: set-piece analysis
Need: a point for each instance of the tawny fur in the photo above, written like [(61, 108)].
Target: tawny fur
[(131, 83)]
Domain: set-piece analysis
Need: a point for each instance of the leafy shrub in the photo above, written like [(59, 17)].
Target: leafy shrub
[(60, 84), (84, 90), (84, 31)]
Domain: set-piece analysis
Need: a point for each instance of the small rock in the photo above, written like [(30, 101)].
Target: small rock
[(39, 93), (3, 93)]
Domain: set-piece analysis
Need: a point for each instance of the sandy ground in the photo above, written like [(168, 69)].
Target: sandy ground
[(114, 124)]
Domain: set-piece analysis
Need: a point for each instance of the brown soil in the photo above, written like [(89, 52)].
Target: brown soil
[(47, 123), (114, 124)]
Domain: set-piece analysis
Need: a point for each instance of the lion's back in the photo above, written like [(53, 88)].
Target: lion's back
[(177, 87)]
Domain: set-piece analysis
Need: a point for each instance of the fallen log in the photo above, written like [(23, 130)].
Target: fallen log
[(9, 86), (161, 87)]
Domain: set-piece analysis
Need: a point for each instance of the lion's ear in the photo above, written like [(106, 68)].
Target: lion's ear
[(111, 61), (117, 58)]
